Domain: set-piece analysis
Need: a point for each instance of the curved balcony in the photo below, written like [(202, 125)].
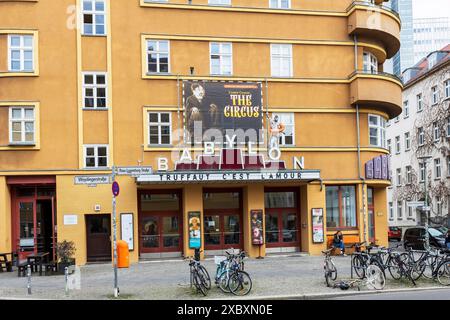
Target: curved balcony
[(380, 91), (375, 22)]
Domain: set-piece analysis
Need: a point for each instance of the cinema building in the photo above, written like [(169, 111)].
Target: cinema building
[(86, 86)]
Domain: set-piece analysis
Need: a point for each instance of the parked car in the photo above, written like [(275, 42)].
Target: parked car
[(442, 229), (415, 238), (395, 233)]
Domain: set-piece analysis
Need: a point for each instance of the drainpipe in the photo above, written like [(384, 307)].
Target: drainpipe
[(358, 130)]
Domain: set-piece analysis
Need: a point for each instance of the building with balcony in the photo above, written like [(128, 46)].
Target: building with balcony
[(422, 130), (91, 86)]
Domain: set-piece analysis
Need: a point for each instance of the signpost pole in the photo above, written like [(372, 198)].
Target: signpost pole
[(427, 237), (116, 286)]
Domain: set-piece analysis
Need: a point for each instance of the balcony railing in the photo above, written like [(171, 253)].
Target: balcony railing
[(372, 5), (378, 73)]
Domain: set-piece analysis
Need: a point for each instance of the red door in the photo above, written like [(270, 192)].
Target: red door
[(160, 232), (282, 227), (223, 229)]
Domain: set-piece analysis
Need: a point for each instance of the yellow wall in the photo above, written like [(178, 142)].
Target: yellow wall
[(5, 216)]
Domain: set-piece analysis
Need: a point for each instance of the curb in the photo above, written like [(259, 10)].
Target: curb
[(316, 296)]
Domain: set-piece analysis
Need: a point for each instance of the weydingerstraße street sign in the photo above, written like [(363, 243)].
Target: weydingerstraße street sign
[(133, 171), (92, 180)]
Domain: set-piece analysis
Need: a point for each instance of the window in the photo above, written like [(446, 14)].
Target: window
[(96, 156), (436, 132), (221, 58), (405, 109), (94, 90), (20, 53), (389, 144), (399, 177), (397, 119), (448, 127), (421, 136), (280, 4), (94, 17), (399, 210), (391, 211), (397, 144), (408, 175), (410, 212), (447, 88), (434, 95), (281, 60), (407, 141), (158, 56), (21, 125), (287, 138), (220, 2), (377, 131), (419, 102), (422, 172), (341, 206), (448, 166), (437, 168), (438, 206), (370, 63), (160, 128)]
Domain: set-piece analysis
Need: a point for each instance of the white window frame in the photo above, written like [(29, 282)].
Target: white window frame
[(221, 54), (278, 4), (291, 115), (407, 141), (436, 132), (399, 210), (370, 63), (420, 136), (94, 86), (419, 100), (447, 88), (397, 145), (399, 176), (95, 13), (448, 127), (95, 146), (408, 174), (389, 145), (23, 120), (391, 211), (282, 58), (434, 95), (158, 53), (21, 48), (406, 109), (437, 168), (381, 130), (159, 124), (219, 2), (422, 172)]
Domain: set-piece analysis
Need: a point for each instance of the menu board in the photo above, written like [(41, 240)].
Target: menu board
[(195, 235), (317, 225)]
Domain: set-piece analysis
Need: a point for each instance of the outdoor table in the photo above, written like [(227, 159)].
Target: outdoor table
[(36, 260), (4, 261)]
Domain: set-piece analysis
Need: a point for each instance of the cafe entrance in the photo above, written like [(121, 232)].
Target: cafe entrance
[(160, 223), (282, 220), (222, 219)]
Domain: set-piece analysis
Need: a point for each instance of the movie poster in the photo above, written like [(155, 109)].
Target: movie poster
[(222, 106), (317, 225), (195, 236), (257, 227)]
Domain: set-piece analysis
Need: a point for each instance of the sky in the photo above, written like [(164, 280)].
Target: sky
[(431, 8)]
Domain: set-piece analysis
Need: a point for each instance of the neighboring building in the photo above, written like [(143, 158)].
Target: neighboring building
[(423, 129), (405, 57), (430, 34), (125, 89)]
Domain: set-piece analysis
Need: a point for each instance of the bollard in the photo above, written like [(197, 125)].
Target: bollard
[(29, 279), (66, 278)]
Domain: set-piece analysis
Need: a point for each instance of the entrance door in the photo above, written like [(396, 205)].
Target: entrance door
[(27, 231), (222, 229), (371, 214), (282, 227), (98, 237), (160, 232)]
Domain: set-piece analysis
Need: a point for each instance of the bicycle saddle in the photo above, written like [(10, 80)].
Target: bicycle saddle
[(343, 285)]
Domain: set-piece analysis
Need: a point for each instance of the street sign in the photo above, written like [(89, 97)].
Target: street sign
[(415, 203), (134, 171), (115, 188), (427, 208), (92, 180)]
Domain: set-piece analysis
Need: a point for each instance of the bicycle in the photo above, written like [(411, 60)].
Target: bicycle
[(361, 260), (329, 268), (442, 271), (375, 279), (199, 276), (225, 267), (239, 282)]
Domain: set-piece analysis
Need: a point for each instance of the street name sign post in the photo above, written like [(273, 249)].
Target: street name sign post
[(415, 204)]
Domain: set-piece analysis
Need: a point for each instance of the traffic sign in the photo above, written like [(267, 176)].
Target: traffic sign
[(134, 171), (115, 188), (415, 203)]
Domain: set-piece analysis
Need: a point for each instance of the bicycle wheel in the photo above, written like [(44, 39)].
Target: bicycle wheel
[(418, 268), (205, 275), (198, 284), (394, 269), (358, 264), (331, 268), (375, 278), (240, 283), (430, 263), (223, 282), (379, 265), (443, 273)]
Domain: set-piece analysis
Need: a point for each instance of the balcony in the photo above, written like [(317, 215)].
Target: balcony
[(376, 22), (380, 91)]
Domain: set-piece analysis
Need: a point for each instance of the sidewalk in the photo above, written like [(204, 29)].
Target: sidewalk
[(276, 277)]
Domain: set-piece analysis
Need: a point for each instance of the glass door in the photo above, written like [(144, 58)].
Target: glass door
[(222, 230), (150, 234), (231, 231), (281, 227), (371, 214), (161, 233), (27, 228), (290, 227), (170, 233), (272, 230), (212, 228)]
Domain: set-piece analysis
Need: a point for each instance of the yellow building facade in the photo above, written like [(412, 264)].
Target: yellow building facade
[(88, 85)]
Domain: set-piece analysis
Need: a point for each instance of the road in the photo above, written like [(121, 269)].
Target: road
[(442, 294)]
